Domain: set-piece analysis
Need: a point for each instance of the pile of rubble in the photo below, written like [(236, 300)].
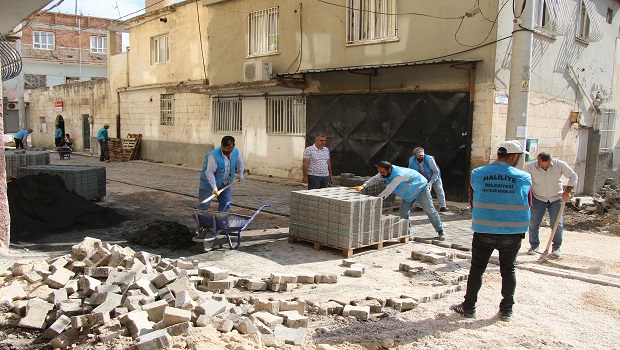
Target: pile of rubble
[(104, 293), (607, 201)]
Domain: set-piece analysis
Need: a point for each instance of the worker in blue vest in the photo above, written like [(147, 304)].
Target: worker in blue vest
[(411, 187), (21, 138), (218, 171), (425, 164), (103, 138), (58, 136), (500, 198)]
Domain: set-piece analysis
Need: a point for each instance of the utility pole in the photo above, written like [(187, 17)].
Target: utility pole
[(22, 121), (520, 69)]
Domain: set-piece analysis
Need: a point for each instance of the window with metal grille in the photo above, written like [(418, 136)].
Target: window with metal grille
[(263, 32), (286, 115), (42, 125), (35, 81), (160, 50), (371, 20), (98, 44), (226, 114), (167, 109), (43, 40), (583, 29), (607, 130)]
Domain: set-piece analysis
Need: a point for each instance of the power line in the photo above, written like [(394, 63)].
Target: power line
[(390, 14), (490, 30)]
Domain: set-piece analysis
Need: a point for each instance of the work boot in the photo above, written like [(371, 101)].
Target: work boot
[(443, 209), (462, 310), (556, 253), (441, 236), (417, 209), (532, 251), (505, 315)]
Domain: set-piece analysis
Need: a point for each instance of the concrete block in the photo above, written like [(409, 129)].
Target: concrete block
[(375, 305), (90, 320), (13, 291), (280, 287), (256, 285), (262, 328), (85, 248), (57, 296), (183, 300), (100, 298), (213, 273), (99, 257), (111, 302), (351, 272), (117, 255), (293, 319), (330, 308), (296, 305), (359, 266), (88, 284), (32, 277), (21, 268), (305, 278), (146, 287), (347, 262), (292, 336), (36, 313), (155, 310), (361, 312), (184, 264), (98, 272), (173, 316), (326, 278), (271, 306), (155, 340), (179, 329), (132, 303), (42, 291), (211, 307), (65, 339), (272, 340), (221, 285), (268, 319), (403, 304), (164, 278), (180, 284), (70, 307), (108, 288), (6, 304), (245, 326), (57, 327), (72, 286), (226, 326), (137, 322), (59, 278), (19, 307), (119, 311), (283, 278)]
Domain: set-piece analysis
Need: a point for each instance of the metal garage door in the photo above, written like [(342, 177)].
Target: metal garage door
[(365, 129)]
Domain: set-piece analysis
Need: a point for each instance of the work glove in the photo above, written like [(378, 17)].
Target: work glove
[(358, 188), (240, 177), (216, 192)]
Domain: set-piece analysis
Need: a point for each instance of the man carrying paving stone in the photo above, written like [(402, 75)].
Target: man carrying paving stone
[(411, 187)]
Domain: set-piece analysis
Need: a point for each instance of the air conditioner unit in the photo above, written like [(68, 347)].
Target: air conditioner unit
[(12, 106), (256, 71)]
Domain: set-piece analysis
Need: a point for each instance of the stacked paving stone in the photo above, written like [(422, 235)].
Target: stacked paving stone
[(341, 217), (87, 181), (16, 159)]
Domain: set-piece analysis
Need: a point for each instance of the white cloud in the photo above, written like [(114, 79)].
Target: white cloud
[(102, 8)]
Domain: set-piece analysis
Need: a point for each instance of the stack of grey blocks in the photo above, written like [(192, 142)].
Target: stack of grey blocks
[(351, 180), (342, 217), (87, 181), (16, 159)]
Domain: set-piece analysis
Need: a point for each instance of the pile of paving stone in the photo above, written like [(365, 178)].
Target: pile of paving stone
[(109, 292), (606, 201)]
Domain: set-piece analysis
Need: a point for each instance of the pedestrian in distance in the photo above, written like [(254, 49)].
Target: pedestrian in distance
[(425, 164), (69, 141), (21, 138), (411, 187), (500, 198), (58, 136), (317, 166), (218, 171), (102, 138), (548, 196)]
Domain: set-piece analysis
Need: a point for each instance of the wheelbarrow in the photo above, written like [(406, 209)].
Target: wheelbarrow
[(211, 224), (64, 152)]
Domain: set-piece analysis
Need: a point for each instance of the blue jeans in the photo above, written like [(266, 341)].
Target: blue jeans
[(425, 201), (441, 195), (482, 247), (315, 182), (536, 215), (204, 191)]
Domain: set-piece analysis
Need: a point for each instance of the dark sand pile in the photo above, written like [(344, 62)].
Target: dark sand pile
[(160, 234), (41, 204)]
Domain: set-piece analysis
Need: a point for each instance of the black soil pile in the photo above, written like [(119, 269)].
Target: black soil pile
[(41, 204), (163, 234)]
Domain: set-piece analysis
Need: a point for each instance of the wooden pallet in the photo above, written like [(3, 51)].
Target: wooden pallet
[(125, 149), (347, 252)]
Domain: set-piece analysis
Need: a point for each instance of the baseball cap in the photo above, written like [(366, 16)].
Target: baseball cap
[(511, 147), (106, 124), (418, 150)]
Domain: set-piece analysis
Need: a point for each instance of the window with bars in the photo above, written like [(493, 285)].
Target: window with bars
[(160, 49), (286, 115), (42, 125), (607, 130), (226, 114), (167, 109), (43, 40), (371, 20), (583, 27), (263, 32), (541, 14), (35, 81), (98, 44)]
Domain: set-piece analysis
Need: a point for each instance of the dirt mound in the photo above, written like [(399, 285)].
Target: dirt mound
[(41, 204), (160, 234)]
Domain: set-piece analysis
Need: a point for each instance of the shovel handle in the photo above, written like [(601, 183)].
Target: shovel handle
[(555, 227), (213, 195)]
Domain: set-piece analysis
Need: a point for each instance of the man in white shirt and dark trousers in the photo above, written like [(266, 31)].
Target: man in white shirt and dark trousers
[(317, 166), (548, 196)]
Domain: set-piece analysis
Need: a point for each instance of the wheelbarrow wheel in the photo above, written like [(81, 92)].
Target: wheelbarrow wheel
[(207, 237)]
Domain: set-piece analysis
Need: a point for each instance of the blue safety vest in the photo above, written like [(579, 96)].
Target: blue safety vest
[(501, 199), (414, 164), (58, 133), (21, 134), (102, 134), (410, 189), (220, 177)]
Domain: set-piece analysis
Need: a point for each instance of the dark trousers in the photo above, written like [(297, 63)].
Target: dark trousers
[(58, 141), (105, 151), (315, 182), (482, 247), (19, 144)]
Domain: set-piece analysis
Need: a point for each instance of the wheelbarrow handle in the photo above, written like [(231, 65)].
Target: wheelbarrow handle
[(213, 195), (254, 215)]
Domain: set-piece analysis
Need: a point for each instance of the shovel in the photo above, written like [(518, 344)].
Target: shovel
[(545, 254), (214, 195)]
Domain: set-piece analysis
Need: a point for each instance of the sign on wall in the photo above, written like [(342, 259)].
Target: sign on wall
[(58, 106)]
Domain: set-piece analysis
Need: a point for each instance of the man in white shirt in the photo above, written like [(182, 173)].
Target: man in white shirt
[(548, 196), (317, 166)]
